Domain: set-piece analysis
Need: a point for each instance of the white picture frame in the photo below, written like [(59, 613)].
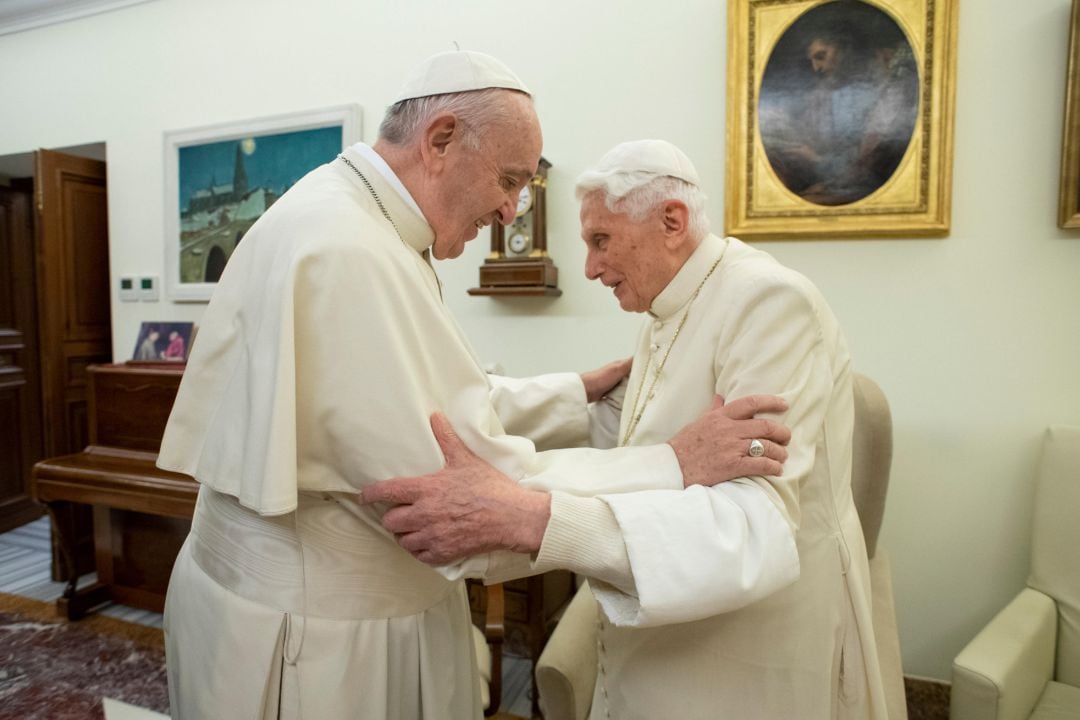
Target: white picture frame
[(210, 201)]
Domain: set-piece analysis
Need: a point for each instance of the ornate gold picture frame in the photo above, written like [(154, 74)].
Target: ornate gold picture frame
[(840, 118), (1069, 193)]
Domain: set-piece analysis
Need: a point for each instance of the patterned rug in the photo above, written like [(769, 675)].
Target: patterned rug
[(53, 669)]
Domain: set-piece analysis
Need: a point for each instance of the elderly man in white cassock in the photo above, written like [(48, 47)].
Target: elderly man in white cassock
[(321, 357), (749, 599)]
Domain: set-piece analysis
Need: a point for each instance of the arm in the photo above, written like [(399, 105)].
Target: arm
[(561, 410), (469, 506), (550, 410)]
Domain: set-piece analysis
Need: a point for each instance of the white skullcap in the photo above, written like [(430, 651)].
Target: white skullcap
[(458, 71), (656, 158)]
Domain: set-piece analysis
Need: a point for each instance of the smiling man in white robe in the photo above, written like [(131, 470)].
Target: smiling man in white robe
[(321, 356), (748, 599)]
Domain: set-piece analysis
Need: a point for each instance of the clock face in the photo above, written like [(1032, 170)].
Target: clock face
[(518, 242), (525, 200)]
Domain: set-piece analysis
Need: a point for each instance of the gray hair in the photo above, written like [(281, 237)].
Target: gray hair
[(637, 194), (476, 110)]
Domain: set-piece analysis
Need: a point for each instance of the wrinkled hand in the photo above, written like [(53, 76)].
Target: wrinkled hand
[(599, 382), (714, 448), (467, 508)]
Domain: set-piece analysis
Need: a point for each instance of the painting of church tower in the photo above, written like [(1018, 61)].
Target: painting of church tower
[(226, 186)]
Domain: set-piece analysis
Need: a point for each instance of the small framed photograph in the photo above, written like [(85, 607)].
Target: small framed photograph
[(163, 342), (839, 118), (220, 179), (1069, 193)]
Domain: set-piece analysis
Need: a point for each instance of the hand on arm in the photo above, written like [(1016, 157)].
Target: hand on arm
[(467, 508), (600, 381), (714, 448)]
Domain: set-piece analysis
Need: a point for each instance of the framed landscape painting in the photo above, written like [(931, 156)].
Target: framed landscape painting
[(839, 118), (220, 179)]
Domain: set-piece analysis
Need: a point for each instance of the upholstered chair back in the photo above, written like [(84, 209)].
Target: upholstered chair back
[(1055, 543), (871, 457)]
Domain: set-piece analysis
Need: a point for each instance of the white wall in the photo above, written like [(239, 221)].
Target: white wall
[(974, 338)]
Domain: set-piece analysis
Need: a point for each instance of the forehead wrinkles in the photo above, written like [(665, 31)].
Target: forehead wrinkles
[(515, 145)]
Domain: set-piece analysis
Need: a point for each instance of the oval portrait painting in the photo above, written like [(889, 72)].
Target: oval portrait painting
[(838, 104)]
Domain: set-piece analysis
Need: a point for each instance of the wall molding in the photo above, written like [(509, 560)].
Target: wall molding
[(19, 15)]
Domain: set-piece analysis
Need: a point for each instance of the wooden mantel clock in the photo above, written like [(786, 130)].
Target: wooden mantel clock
[(519, 263)]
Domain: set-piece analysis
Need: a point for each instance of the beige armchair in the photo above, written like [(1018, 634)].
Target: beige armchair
[(566, 671), (1026, 662)]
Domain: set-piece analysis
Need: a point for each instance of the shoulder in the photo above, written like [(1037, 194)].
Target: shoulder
[(324, 215), (323, 203), (749, 274), (756, 294)]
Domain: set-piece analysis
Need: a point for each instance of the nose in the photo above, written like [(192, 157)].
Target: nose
[(508, 209), (593, 267)]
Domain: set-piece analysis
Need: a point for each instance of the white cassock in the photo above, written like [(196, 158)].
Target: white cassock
[(324, 351), (749, 600)]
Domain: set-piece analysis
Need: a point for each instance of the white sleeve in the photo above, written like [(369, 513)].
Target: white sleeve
[(583, 537), (548, 409), (698, 553)]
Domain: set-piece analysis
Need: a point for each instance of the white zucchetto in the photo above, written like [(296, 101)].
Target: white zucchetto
[(458, 71), (656, 158)]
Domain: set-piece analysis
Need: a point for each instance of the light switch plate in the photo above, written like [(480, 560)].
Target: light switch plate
[(148, 288), (129, 291)]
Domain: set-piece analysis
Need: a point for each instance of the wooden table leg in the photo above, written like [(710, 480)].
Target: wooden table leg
[(73, 603)]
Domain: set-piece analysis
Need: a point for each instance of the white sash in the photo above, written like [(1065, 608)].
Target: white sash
[(320, 561)]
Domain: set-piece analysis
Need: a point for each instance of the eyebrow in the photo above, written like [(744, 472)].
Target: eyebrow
[(520, 173)]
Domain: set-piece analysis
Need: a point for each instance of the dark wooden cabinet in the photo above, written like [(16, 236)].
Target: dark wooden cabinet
[(20, 382)]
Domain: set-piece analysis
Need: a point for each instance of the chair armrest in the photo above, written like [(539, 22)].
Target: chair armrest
[(566, 670), (1003, 670)]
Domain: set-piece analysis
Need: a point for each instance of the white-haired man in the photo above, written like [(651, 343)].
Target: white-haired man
[(322, 354), (749, 599)]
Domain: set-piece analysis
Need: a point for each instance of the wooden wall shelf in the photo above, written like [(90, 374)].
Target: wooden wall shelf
[(516, 291)]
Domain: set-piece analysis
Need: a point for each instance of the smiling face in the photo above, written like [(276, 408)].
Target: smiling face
[(633, 259), (475, 187)]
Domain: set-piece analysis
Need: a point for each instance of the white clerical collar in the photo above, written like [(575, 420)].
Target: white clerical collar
[(687, 279), (368, 153)]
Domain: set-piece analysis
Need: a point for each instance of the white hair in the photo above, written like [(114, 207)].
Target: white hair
[(637, 194), (476, 110)]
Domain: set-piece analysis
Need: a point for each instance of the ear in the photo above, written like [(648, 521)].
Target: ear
[(675, 217), (440, 133)]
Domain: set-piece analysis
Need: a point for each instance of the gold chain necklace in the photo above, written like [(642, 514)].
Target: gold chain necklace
[(638, 412)]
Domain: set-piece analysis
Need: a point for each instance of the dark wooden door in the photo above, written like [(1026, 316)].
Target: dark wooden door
[(73, 290), (20, 383), (73, 307)]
